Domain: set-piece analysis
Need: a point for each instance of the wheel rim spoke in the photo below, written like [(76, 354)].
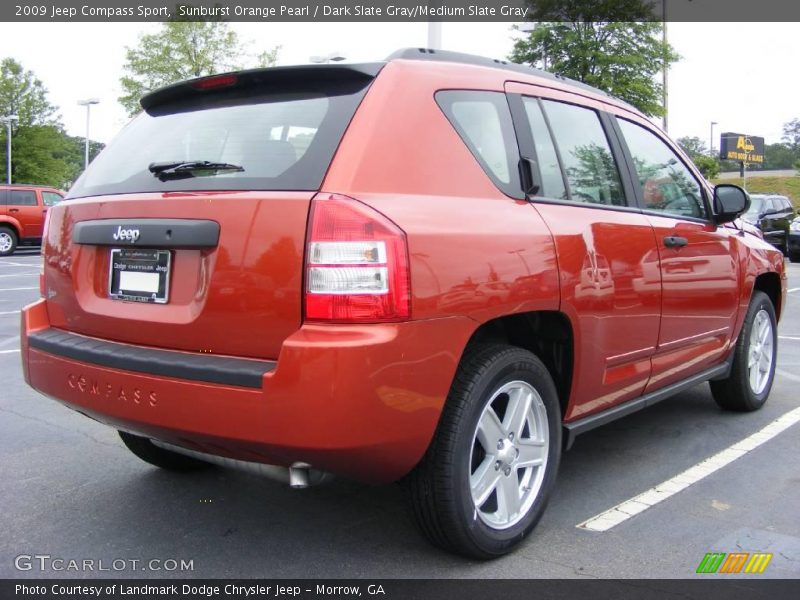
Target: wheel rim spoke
[(754, 378), (490, 430), (508, 497), (484, 481), (519, 405), (753, 358), (531, 454)]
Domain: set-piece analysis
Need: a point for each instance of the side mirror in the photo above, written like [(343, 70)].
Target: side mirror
[(730, 202)]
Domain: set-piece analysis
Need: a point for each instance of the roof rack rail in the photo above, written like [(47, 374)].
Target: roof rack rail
[(482, 61)]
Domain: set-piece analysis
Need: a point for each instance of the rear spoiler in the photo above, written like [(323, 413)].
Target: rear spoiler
[(265, 79)]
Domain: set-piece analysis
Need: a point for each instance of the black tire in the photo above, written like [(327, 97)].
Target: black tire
[(736, 393), (8, 241), (439, 487), (165, 459)]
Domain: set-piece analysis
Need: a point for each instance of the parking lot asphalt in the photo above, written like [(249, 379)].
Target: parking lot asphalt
[(70, 490)]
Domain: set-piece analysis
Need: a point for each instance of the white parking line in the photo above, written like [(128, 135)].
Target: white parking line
[(794, 290), (9, 351), (9, 312), (625, 510), (15, 264), (17, 289), (787, 374), (10, 340), (788, 337), (20, 274)]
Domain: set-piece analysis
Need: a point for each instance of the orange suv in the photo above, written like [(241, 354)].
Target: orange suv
[(438, 269), (22, 214)]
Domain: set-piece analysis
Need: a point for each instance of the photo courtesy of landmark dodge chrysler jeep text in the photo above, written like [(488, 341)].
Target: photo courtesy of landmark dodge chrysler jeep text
[(437, 269)]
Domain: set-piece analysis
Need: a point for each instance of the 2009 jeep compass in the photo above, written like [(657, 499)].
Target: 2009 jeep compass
[(437, 268)]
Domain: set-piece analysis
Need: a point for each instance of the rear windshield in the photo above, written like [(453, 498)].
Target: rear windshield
[(281, 141)]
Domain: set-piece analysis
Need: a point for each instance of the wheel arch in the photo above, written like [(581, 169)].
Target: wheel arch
[(770, 284), (13, 224), (547, 334)]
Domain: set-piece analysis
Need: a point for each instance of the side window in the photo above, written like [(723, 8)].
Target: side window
[(3, 197), (22, 198), (667, 184), (552, 179), (592, 174), (483, 121), (51, 198)]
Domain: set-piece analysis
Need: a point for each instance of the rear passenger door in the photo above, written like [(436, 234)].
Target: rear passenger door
[(606, 250), (25, 207), (697, 260)]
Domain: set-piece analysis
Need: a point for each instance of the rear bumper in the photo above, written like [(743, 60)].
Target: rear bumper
[(359, 401)]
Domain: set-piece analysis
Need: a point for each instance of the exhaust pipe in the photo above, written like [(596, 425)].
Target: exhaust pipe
[(300, 475)]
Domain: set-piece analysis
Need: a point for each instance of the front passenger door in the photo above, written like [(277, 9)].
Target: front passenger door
[(697, 260)]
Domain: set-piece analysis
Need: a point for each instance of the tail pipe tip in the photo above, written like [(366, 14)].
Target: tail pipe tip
[(298, 475)]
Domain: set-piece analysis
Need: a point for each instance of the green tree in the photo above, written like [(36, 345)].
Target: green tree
[(778, 156), (791, 135), (24, 95), (693, 146), (41, 156), (41, 152), (182, 50), (707, 165), (611, 46), (697, 150)]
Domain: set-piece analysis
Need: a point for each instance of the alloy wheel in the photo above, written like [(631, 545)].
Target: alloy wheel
[(509, 454), (761, 352)]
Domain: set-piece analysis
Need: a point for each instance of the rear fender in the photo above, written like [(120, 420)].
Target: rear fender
[(13, 223)]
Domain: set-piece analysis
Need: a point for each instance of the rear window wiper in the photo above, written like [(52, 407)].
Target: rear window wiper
[(190, 168)]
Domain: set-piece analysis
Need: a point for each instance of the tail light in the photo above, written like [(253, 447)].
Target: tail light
[(356, 264)]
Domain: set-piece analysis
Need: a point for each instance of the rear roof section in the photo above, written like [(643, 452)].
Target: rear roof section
[(291, 75), (266, 78)]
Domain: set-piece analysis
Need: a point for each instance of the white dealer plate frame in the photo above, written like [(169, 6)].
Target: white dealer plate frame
[(144, 272)]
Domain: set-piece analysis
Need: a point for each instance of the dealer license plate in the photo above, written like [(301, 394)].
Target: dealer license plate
[(139, 275)]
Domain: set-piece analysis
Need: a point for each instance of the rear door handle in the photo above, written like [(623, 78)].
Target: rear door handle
[(13, 210), (675, 241)]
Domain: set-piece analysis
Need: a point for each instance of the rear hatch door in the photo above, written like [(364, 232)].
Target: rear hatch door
[(188, 231)]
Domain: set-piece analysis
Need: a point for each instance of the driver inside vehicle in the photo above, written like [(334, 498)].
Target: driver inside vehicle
[(653, 194)]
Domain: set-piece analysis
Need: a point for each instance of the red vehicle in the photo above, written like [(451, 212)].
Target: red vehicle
[(437, 269), (22, 214)]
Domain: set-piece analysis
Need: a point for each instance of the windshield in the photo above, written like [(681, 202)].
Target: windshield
[(280, 141), (756, 202)]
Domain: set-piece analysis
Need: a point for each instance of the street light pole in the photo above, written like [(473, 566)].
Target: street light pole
[(435, 35), (711, 139), (88, 104), (8, 120)]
